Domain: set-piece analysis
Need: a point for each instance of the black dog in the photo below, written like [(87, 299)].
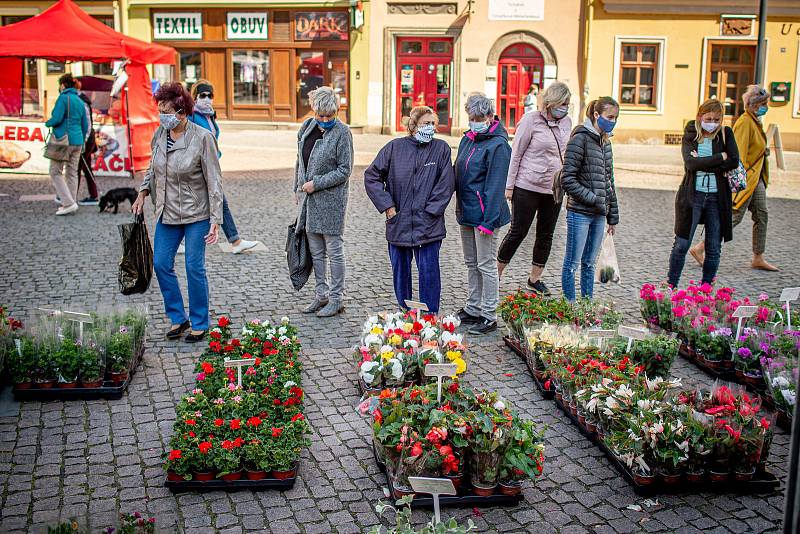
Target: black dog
[(115, 196)]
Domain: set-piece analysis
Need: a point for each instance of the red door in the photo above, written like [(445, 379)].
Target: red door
[(424, 68), (520, 66)]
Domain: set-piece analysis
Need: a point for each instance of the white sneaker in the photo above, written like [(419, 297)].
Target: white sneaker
[(181, 249), (244, 245), (67, 210)]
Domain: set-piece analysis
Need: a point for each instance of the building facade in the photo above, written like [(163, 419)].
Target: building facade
[(660, 60)]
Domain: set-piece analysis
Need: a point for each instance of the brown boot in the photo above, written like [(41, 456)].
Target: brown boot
[(761, 264), (698, 252)]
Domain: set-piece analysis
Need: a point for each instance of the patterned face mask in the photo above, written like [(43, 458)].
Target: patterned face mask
[(424, 134)]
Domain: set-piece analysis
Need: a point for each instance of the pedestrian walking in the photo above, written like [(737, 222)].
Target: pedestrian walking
[(588, 181), (704, 196), (68, 119), (185, 183), (322, 181), (481, 169), (89, 148), (205, 116), (536, 156), (754, 153), (411, 181), (531, 101)]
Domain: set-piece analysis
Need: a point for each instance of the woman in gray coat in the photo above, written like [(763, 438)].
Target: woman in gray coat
[(322, 176)]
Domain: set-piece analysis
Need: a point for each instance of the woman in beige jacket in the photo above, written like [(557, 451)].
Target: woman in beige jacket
[(185, 182)]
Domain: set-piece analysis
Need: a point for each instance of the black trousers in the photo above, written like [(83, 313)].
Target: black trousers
[(525, 206)]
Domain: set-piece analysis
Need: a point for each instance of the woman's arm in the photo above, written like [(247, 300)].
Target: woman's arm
[(209, 162), (522, 140), (58, 113), (375, 179), (693, 163), (442, 190), (613, 208), (742, 136), (344, 164), (573, 158), (733, 151), (494, 186)]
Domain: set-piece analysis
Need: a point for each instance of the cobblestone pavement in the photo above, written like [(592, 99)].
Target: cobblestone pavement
[(93, 459)]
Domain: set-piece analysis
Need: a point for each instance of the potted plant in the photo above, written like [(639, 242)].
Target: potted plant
[(21, 362), (204, 461), (523, 457), (228, 459), (713, 345), (487, 447), (178, 463), (67, 362), (701, 445), (90, 365), (119, 353), (257, 460)]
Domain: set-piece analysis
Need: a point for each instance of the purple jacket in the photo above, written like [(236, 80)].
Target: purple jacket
[(417, 179)]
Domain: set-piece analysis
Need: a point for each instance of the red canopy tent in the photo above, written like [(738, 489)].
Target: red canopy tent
[(64, 32)]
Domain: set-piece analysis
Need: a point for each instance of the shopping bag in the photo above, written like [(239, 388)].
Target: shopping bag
[(298, 256), (136, 264), (607, 268)]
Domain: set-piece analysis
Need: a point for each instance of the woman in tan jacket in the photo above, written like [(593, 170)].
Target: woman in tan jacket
[(185, 182), (754, 154)]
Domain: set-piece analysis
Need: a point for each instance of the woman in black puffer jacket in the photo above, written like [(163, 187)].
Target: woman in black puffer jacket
[(588, 180)]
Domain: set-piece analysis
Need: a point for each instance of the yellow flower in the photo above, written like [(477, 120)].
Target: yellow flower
[(407, 327), (453, 355), (461, 365), (386, 356), (395, 339), (377, 330)]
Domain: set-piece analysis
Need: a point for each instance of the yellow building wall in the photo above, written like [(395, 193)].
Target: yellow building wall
[(682, 88)]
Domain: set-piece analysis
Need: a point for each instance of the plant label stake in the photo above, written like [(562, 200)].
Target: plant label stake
[(788, 295), (742, 313), (417, 307), (436, 487), (632, 333), (75, 317), (239, 364), (440, 370), (602, 335)]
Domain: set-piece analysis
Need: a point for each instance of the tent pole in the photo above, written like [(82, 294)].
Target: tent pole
[(128, 125)]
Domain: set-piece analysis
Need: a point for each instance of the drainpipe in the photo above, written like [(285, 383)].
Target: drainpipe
[(587, 54), (123, 16)]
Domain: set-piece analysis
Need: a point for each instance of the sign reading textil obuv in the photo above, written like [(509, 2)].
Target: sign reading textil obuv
[(248, 25), (178, 26)]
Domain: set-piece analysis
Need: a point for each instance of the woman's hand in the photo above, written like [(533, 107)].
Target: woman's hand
[(612, 229), (724, 155), (509, 194), (693, 153), (138, 204), (390, 213), (308, 187), (213, 233)]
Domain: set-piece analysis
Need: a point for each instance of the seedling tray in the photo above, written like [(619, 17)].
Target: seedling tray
[(763, 481), (199, 486), (517, 349), (107, 391), (464, 499)]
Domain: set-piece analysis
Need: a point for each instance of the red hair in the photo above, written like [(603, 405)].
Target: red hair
[(177, 95)]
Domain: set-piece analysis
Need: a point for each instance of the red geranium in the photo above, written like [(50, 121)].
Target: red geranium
[(190, 422), (219, 422), (253, 421), (301, 416), (224, 322), (215, 346), (204, 446), (175, 454), (207, 368), (276, 432), (215, 335), (236, 424), (227, 445)]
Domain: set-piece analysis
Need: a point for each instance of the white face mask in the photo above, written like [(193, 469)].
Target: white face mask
[(204, 105), (424, 134), (710, 127)]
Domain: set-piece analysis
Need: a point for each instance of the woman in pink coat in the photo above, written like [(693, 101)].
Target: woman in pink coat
[(537, 154)]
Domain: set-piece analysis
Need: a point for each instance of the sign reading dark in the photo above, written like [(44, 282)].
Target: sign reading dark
[(321, 26)]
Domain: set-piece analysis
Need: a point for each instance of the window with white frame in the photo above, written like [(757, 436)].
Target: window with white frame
[(638, 73)]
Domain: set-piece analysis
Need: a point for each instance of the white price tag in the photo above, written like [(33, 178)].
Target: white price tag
[(601, 334), (436, 487), (633, 332), (440, 369), (247, 362), (789, 294), (743, 312)]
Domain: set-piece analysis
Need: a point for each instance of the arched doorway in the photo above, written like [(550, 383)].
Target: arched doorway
[(520, 66)]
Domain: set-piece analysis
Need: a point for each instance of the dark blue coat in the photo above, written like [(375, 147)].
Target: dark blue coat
[(481, 171), (417, 180)]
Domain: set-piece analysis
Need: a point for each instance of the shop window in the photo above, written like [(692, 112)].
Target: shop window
[(250, 77), (638, 74), (337, 62), (728, 74), (310, 75), (190, 63)]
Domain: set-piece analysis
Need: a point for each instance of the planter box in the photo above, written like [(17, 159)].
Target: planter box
[(107, 391), (197, 486), (464, 499)]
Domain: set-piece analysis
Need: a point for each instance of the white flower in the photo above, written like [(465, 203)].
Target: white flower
[(789, 396), (289, 384), (396, 368), (282, 331), (413, 343), (369, 371), (373, 339), (499, 406), (780, 382), (284, 320), (428, 333)]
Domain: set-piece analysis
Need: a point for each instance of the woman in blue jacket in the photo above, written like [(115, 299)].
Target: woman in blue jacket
[(481, 169), (68, 118), (205, 116), (411, 182)]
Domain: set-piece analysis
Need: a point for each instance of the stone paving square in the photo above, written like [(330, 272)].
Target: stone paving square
[(92, 459)]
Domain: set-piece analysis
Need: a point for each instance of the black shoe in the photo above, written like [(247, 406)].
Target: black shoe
[(539, 287), (177, 331), (194, 338), (88, 201), (485, 326), (467, 318)]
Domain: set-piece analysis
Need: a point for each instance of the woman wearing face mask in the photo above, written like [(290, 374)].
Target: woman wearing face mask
[(754, 152), (322, 179), (205, 116), (185, 182), (704, 196), (588, 181), (481, 170), (411, 181), (536, 156)]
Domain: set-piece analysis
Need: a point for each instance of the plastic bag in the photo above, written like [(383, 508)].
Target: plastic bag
[(136, 264), (607, 269), (298, 256)]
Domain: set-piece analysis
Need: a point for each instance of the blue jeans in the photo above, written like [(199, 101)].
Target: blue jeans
[(430, 282), (228, 225), (165, 246), (706, 209), (584, 239)]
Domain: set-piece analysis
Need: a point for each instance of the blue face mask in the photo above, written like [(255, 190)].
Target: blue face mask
[(479, 127), (606, 125), (762, 111), (326, 125)]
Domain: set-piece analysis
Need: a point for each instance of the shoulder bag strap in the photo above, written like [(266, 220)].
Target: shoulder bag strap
[(560, 155)]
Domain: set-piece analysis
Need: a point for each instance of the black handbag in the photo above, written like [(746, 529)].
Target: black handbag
[(136, 264), (298, 256)]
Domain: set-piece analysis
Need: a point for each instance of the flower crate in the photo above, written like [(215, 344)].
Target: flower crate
[(242, 427)]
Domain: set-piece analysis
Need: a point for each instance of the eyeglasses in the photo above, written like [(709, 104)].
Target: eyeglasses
[(205, 95)]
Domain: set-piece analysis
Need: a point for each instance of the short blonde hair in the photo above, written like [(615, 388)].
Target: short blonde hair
[(416, 114), (755, 94), (556, 93)]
